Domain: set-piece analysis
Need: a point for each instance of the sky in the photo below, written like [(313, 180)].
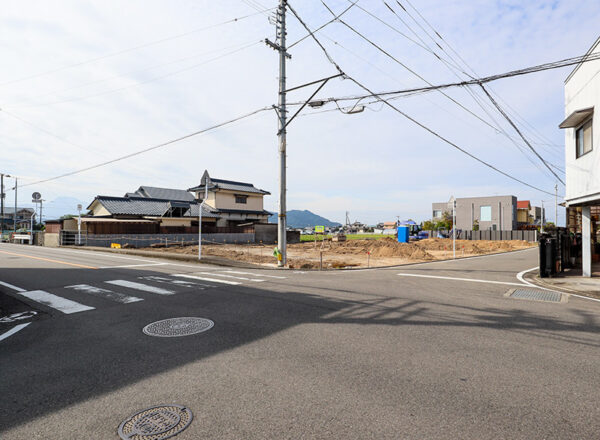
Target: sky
[(86, 82)]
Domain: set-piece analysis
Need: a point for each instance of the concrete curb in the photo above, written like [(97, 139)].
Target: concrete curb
[(220, 261), (535, 279), (217, 261)]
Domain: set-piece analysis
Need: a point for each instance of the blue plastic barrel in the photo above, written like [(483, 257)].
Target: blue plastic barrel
[(403, 234)]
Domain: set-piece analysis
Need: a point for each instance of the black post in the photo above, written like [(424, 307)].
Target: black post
[(1, 204)]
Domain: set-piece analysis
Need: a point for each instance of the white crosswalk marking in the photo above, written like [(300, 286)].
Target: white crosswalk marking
[(255, 274), (215, 274), (176, 282), (56, 302), (104, 293), (140, 286), (182, 275)]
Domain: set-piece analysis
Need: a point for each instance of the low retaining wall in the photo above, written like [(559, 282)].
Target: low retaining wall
[(146, 240)]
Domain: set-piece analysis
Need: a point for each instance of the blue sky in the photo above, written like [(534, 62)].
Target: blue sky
[(375, 164)]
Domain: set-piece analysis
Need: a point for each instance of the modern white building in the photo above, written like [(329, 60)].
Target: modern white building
[(582, 154)]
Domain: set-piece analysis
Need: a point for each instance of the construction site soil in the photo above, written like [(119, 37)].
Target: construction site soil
[(354, 253)]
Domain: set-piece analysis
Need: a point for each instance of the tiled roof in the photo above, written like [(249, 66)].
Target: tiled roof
[(143, 206), (243, 211), (152, 192), (523, 204), (230, 185)]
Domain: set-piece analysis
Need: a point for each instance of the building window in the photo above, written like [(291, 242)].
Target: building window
[(583, 139), (485, 214), (437, 213), (240, 199)]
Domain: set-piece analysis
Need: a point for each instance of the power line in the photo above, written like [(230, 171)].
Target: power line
[(106, 92), (412, 119), (130, 49), (155, 147), (155, 66), (475, 82), (488, 95), (406, 67), (539, 135), (453, 68), (325, 24), (519, 132)]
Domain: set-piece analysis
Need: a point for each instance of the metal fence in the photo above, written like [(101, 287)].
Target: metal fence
[(70, 238), (530, 236)]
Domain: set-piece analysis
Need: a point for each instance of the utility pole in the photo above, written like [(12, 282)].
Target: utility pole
[(453, 228), (556, 206), (543, 215), (279, 46)]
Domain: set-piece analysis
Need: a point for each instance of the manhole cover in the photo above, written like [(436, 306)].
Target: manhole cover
[(537, 295), (156, 423), (169, 328)]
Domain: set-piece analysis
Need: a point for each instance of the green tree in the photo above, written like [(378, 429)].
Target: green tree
[(428, 225), (476, 225)]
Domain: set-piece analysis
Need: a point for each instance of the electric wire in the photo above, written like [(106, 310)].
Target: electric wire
[(130, 49), (453, 69), (540, 136), (352, 4), (371, 93), (378, 47), (154, 147), (138, 71), (139, 83)]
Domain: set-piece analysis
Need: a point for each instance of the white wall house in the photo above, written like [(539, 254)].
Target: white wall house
[(582, 152)]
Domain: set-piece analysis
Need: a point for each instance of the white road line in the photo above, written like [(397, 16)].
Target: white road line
[(255, 274), (13, 330), (89, 253), (140, 286), (523, 280), (10, 286), (56, 302), (215, 274), (132, 265), (233, 283), (458, 279), (176, 282), (105, 293), (522, 273)]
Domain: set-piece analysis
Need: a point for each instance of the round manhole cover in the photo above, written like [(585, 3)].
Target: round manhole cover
[(168, 328), (156, 423)]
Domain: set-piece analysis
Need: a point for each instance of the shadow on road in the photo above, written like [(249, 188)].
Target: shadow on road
[(71, 358)]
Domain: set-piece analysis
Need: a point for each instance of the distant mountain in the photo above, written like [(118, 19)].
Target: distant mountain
[(304, 219)]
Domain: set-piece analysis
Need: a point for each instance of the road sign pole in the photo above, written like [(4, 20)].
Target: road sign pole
[(1, 204), (15, 216), (79, 225), (454, 229)]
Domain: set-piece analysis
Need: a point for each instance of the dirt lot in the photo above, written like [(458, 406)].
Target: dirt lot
[(355, 253)]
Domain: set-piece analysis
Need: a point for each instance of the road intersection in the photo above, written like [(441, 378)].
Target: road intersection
[(433, 350)]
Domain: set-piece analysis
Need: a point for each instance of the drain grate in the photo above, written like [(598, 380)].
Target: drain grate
[(537, 295), (156, 423), (170, 328)]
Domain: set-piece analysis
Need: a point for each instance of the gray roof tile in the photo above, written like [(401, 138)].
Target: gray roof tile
[(143, 206), (164, 193)]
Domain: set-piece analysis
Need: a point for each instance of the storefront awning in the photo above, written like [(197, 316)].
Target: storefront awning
[(577, 117)]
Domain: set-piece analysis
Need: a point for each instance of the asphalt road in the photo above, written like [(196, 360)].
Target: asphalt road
[(426, 351)]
